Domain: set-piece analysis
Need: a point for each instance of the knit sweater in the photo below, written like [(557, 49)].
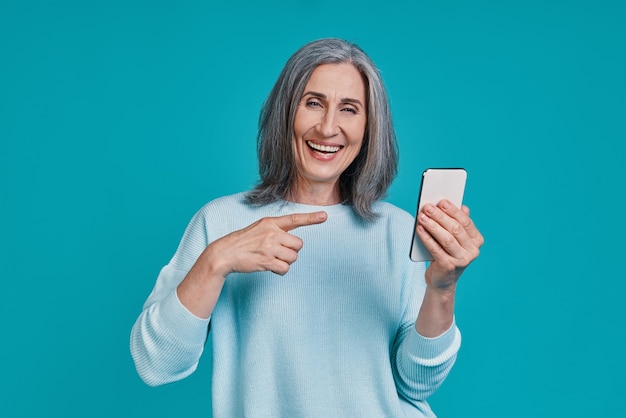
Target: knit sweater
[(334, 337)]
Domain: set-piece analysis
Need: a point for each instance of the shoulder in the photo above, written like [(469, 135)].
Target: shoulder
[(391, 214), (227, 203), (228, 213), (227, 209)]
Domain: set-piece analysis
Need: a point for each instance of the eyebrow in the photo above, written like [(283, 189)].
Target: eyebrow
[(343, 100)]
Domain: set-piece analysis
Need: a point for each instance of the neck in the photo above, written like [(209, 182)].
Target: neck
[(309, 193)]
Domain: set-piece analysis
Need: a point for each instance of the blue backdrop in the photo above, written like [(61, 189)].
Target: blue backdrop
[(119, 119)]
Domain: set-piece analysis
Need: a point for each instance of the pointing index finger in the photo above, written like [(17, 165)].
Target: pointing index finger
[(295, 220)]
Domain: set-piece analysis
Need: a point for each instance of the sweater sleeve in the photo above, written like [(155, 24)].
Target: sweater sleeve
[(421, 364), (167, 340)]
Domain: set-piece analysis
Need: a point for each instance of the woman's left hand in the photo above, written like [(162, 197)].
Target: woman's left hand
[(453, 240)]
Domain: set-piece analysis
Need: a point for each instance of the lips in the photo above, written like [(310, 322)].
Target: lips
[(325, 149)]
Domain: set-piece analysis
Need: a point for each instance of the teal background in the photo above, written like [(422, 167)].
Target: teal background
[(119, 119)]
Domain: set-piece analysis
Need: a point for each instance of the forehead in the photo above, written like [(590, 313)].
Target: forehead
[(342, 80)]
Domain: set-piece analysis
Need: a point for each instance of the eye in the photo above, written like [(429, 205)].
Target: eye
[(313, 103), (350, 109)]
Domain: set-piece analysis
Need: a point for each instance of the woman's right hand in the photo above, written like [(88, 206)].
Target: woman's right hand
[(266, 245)]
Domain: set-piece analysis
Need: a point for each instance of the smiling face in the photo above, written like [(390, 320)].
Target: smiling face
[(329, 127)]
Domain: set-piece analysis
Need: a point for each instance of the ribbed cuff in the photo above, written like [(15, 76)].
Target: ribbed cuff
[(184, 325), (433, 351)]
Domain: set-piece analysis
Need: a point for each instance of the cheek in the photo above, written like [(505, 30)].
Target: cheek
[(301, 124), (357, 134), (297, 128)]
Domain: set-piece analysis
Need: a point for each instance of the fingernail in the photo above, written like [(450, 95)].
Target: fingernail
[(429, 208), (321, 215), (445, 204)]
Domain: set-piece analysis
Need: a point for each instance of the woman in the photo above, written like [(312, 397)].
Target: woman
[(314, 306)]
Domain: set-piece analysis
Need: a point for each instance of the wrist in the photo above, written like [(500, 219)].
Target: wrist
[(214, 263), (437, 311), (441, 282), (443, 290)]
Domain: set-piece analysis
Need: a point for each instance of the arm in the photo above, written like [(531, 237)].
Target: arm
[(168, 338), (427, 350), (454, 241), (265, 245), (420, 363)]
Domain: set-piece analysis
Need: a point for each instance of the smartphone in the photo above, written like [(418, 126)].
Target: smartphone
[(437, 184)]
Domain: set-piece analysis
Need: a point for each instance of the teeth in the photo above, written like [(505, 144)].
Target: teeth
[(323, 148)]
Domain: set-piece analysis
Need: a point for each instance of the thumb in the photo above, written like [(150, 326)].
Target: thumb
[(295, 220)]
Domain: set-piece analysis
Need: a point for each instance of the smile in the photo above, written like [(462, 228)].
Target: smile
[(326, 149)]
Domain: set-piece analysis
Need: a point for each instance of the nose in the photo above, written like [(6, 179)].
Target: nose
[(328, 126)]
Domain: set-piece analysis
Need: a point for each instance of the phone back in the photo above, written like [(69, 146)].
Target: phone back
[(437, 184)]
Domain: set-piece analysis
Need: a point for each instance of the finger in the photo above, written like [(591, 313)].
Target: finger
[(458, 226), (282, 260), (279, 267), (462, 217), (287, 255), (291, 242), (449, 219), (429, 242), (433, 221), (295, 220)]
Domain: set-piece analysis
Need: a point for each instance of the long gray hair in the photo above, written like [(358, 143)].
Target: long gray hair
[(369, 176)]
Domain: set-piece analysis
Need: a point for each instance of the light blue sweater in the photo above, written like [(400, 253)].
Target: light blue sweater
[(334, 337)]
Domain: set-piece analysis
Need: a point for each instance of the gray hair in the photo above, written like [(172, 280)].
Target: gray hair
[(369, 176)]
